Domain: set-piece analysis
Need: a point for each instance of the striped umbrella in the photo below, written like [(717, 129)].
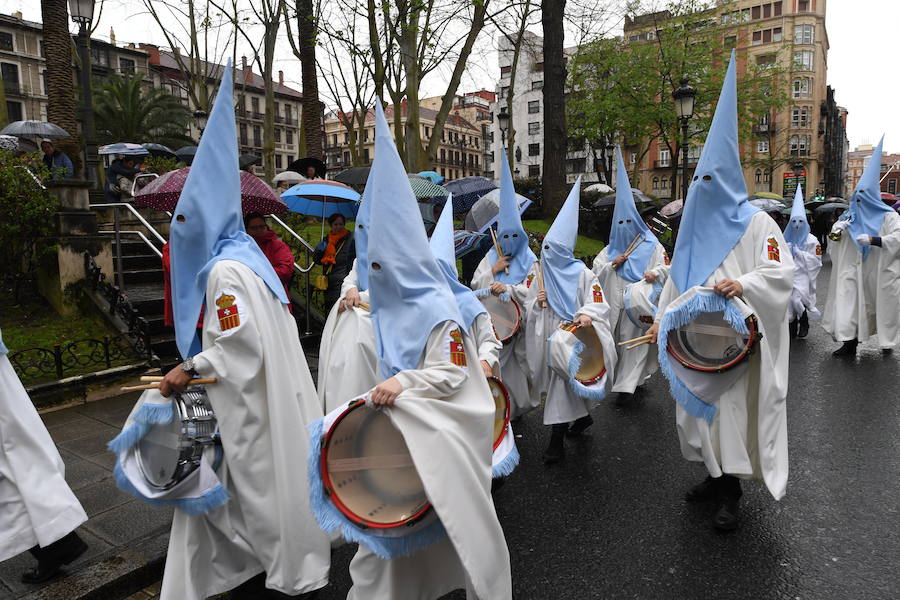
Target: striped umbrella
[(467, 191), (163, 193), (466, 241), (425, 188)]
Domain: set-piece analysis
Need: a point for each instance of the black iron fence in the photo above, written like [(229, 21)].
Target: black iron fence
[(72, 358)]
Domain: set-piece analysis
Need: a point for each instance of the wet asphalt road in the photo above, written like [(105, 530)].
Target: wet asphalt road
[(611, 522)]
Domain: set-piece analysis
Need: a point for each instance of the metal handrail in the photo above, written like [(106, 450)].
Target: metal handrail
[(292, 232), (134, 212), (140, 235)]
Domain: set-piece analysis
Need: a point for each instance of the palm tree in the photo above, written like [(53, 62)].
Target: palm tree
[(125, 111), (60, 82)]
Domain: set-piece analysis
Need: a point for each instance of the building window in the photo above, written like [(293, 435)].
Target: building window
[(664, 184), (776, 9), (665, 158), (257, 136), (803, 60), (277, 161), (443, 155), (277, 135), (892, 186), (802, 87), (44, 83), (762, 147), (758, 176), (656, 184), (126, 65), (14, 111), (366, 155), (99, 57), (575, 165), (10, 73), (767, 36), (534, 107), (287, 114), (534, 128), (534, 149), (427, 132), (289, 137), (505, 70), (504, 92), (730, 42), (244, 140), (804, 34), (799, 145), (800, 116), (254, 106), (6, 41), (537, 84), (802, 5), (346, 159), (633, 158), (534, 170), (765, 60)]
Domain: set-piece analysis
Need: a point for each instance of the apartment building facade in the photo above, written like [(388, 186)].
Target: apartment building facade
[(856, 164), (808, 135), (460, 152)]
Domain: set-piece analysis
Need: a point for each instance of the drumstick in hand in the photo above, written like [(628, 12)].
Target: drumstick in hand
[(637, 339), (497, 248), (539, 272), (155, 385)]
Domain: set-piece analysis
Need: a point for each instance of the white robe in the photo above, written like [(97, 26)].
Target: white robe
[(37, 507), (748, 437), (562, 404), (446, 415), (513, 359), (807, 264), (864, 295), (348, 363), (636, 365), (488, 347), (263, 401)]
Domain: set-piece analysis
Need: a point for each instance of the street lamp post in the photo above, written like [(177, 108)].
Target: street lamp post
[(503, 123), (200, 117), (609, 163), (82, 14), (684, 108)]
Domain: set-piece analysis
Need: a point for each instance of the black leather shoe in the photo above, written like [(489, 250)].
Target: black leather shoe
[(848, 349), (792, 328), (556, 451), (580, 425), (623, 399), (887, 351), (497, 483), (727, 517), (53, 557), (705, 491), (803, 326)]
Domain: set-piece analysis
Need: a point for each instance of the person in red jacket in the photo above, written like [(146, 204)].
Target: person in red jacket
[(278, 253)]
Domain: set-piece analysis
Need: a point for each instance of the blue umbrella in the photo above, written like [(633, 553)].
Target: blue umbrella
[(435, 177), (465, 242), (466, 192), (322, 198)]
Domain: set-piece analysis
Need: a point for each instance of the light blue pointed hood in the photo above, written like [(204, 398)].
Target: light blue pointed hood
[(361, 236), (626, 224), (408, 292), (208, 226), (866, 206), (510, 234), (562, 271), (444, 251), (797, 230), (716, 211)]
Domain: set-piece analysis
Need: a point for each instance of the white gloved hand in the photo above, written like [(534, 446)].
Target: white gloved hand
[(840, 226), (864, 240)]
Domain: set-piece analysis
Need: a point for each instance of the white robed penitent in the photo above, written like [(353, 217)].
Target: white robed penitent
[(864, 289), (263, 399), (807, 255), (742, 429), (37, 507)]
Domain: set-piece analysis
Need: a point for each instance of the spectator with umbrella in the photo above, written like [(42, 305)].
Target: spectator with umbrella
[(57, 161), (278, 253), (335, 253)]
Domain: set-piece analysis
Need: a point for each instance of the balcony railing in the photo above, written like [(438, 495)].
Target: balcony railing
[(662, 164), (764, 128)]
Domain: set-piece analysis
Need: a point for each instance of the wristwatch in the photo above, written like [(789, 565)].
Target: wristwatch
[(188, 367)]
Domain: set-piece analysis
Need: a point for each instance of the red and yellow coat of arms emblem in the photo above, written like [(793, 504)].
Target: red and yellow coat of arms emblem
[(818, 250), (529, 280), (666, 258), (598, 293), (772, 249), (228, 313), (457, 349)]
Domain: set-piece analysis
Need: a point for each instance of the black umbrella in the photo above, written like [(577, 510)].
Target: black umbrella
[(353, 176), (610, 200), (831, 207), (246, 161), (160, 150), (186, 154), (301, 164)]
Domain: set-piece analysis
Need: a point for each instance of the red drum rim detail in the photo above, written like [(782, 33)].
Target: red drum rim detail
[(505, 391), (753, 335)]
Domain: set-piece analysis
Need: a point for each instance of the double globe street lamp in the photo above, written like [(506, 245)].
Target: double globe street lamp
[(684, 109)]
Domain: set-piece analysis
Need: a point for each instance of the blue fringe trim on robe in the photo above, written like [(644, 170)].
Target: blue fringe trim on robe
[(331, 519), (149, 414), (700, 303), (210, 500), (485, 292), (594, 392), (507, 465)]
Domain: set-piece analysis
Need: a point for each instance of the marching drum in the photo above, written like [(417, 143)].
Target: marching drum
[(506, 316), (169, 452), (501, 409), (593, 366), (710, 344), (368, 473), (639, 309)]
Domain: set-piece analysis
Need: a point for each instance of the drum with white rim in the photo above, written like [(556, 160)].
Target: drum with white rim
[(169, 452), (506, 316), (592, 365), (710, 344)]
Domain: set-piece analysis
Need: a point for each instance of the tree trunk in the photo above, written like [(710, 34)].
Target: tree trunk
[(408, 21), (554, 175), (312, 110), (60, 80), (269, 87)]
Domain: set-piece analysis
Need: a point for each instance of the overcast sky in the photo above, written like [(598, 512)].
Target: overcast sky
[(860, 67)]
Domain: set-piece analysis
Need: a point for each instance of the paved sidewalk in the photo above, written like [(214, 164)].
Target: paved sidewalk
[(124, 536)]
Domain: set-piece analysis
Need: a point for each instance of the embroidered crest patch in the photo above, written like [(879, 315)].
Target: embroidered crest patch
[(228, 313), (666, 258), (529, 280), (818, 250), (457, 349), (598, 293), (772, 249)]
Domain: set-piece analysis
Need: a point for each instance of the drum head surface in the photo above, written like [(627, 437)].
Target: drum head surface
[(504, 315), (158, 453), (592, 363), (708, 343), (501, 408), (370, 471)]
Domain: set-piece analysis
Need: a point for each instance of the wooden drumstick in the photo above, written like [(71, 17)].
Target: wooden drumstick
[(641, 343), (160, 378), (497, 248), (364, 306), (539, 268), (155, 385), (637, 339)]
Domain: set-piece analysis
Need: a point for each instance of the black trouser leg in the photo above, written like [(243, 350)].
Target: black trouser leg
[(803, 330)]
